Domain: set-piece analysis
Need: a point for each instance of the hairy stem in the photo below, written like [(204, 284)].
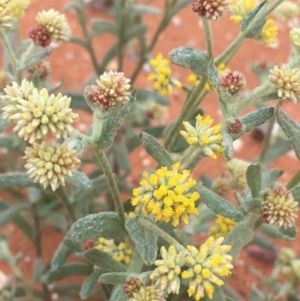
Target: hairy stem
[(68, 206), (294, 180), (122, 21), (193, 160), (169, 239), (267, 139), (101, 156), (208, 37)]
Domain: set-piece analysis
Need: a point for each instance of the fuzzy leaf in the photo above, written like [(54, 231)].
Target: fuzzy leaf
[(93, 226), (80, 180), (178, 6), (190, 58), (296, 193), (254, 179), (11, 212), (111, 125), (239, 237), (249, 18), (34, 59), (269, 177), (292, 130), (290, 232), (274, 232), (103, 260), (114, 278), (16, 179), (145, 9), (218, 204), (137, 31), (60, 256), (77, 142), (155, 150), (100, 26), (223, 98), (264, 243), (227, 145), (90, 283), (68, 270), (212, 73), (144, 239), (118, 294), (78, 102)]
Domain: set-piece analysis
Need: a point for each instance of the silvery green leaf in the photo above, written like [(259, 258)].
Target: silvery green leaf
[(60, 256), (270, 96), (78, 102), (68, 270), (264, 243), (3, 123), (16, 179), (144, 239), (80, 180), (292, 130), (134, 32), (77, 141), (114, 278), (118, 294), (239, 237), (178, 6), (33, 59), (155, 150), (296, 193), (251, 204), (90, 283), (256, 294), (218, 204), (11, 212), (93, 226), (111, 125), (100, 26), (254, 119), (212, 74), (103, 260), (53, 88), (144, 95), (190, 58), (274, 232), (227, 145), (254, 179), (247, 20), (145, 9), (224, 97), (290, 232), (269, 177)]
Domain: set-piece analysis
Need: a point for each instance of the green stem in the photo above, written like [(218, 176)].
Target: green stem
[(171, 137), (136, 262), (28, 52), (267, 139), (68, 206), (169, 239), (101, 156), (293, 181), (187, 155), (121, 35), (208, 36), (194, 159), (12, 55)]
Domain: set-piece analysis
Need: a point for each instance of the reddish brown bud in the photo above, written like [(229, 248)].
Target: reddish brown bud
[(40, 36), (89, 244), (210, 9), (131, 286), (233, 81), (42, 68), (235, 127)]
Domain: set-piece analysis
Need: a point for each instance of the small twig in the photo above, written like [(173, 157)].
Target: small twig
[(208, 37), (267, 139), (68, 206), (293, 181)]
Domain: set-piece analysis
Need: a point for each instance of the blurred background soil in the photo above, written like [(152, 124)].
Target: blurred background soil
[(71, 64)]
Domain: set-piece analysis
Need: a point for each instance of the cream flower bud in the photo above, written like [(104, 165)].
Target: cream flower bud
[(295, 37), (35, 113), (238, 170), (5, 19), (287, 82), (279, 208), (50, 165), (287, 10)]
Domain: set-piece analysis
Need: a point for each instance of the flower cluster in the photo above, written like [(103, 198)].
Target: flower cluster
[(210, 9), (295, 37), (5, 18), (205, 136), (206, 264), (222, 227), (111, 91), (36, 112), (233, 82), (287, 10), (52, 27), (17, 8), (238, 170), (287, 82), (279, 208), (195, 79), (166, 194), (163, 81), (50, 165), (121, 252), (269, 33), (168, 270), (240, 8)]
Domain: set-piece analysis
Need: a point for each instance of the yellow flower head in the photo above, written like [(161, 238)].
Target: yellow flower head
[(195, 79), (205, 136), (121, 252), (269, 33), (240, 8), (222, 227), (205, 265), (168, 270), (163, 81), (166, 194), (17, 8)]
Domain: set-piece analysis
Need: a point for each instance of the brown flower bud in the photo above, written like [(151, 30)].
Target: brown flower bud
[(233, 81), (235, 127), (210, 9), (40, 36), (131, 286)]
